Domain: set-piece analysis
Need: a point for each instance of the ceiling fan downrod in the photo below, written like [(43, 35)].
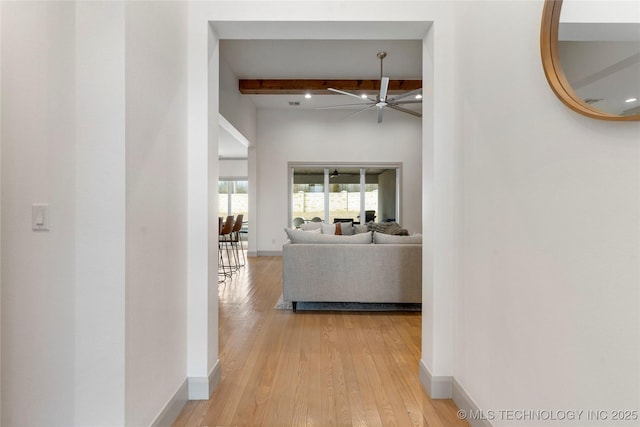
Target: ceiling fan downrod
[(381, 55)]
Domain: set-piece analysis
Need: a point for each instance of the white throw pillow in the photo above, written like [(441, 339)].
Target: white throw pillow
[(381, 239), (298, 236), (328, 228), (311, 226)]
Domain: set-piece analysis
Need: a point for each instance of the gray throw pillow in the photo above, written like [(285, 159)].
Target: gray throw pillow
[(298, 236), (360, 228), (347, 228)]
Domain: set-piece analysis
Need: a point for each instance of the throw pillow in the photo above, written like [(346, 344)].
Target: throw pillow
[(298, 236), (338, 229), (328, 229), (387, 228), (381, 239), (346, 228), (311, 226), (360, 228), (313, 230)]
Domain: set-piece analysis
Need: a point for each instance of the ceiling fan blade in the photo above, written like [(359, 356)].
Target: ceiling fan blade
[(348, 93), (410, 101), (407, 94), (380, 114), (359, 111), (384, 86), (405, 110), (337, 107)]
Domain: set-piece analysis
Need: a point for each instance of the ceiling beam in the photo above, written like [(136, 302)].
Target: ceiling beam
[(320, 87)]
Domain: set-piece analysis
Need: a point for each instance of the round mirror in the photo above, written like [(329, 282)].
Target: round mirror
[(591, 56)]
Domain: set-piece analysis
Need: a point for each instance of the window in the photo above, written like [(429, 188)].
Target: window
[(233, 198), (335, 192)]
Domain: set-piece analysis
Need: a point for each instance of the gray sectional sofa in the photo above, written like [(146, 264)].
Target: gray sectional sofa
[(347, 269)]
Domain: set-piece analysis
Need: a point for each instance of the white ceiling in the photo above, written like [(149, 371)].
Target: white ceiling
[(317, 59), (319, 49)]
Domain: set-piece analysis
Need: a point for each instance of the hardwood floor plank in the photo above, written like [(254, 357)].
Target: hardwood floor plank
[(315, 369)]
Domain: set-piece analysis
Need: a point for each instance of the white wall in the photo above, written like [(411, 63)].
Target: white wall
[(321, 136), (203, 125), (99, 214), (37, 167), (64, 308), (386, 189), (547, 309), (156, 165), (238, 109), (234, 169)]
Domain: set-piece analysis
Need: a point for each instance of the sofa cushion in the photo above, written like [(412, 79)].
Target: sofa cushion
[(381, 239), (298, 236)]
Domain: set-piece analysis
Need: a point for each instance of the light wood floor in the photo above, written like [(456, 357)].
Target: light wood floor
[(313, 368)]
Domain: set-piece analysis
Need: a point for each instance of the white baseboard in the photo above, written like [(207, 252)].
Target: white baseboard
[(201, 388), (465, 403), (252, 253), (173, 407), (445, 387), (436, 387)]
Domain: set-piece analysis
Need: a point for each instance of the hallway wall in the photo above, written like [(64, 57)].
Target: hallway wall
[(156, 191), (94, 124), (548, 303), (38, 163)]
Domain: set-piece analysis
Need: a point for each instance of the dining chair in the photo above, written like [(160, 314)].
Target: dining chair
[(298, 221)]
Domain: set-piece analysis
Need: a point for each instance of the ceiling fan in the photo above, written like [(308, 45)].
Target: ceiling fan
[(381, 100)]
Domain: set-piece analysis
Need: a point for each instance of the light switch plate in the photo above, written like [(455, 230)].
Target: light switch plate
[(40, 218)]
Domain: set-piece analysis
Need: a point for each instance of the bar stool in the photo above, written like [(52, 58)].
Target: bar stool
[(224, 238), (235, 240)]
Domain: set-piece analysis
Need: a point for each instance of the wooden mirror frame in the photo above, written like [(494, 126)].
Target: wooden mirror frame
[(553, 68)]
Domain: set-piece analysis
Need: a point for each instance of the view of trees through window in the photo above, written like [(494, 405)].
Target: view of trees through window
[(349, 194)]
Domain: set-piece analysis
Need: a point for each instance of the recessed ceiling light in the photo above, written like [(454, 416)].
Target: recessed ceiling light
[(631, 100), (307, 95), (363, 96), (418, 96)]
